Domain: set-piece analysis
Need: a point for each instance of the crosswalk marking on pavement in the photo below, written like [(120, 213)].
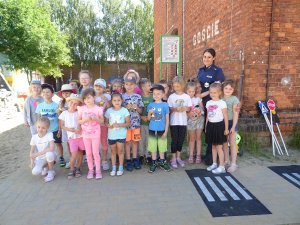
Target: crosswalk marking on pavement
[(229, 191), (219, 192), (215, 189), (291, 178), (224, 195), (241, 190), (204, 190), (290, 173), (296, 175)]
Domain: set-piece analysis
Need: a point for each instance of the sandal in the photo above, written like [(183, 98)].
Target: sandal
[(232, 168), (78, 173), (71, 174), (198, 159), (191, 159)]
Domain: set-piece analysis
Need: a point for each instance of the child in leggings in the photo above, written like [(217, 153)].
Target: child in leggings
[(180, 104)]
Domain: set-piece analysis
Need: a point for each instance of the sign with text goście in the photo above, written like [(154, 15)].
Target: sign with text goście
[(170, 49), (271, 105)]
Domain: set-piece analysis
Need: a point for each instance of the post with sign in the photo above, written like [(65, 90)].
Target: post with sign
[(272, 107), (265, 111), (170, 52)]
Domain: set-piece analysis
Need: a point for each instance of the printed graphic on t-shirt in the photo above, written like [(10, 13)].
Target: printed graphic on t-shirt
[(211, 110), (157, 115), (90, 127), (49, 113), (179, 102)]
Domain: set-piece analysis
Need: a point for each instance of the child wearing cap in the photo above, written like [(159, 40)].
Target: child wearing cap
[(158, 115), (133, 102), (48, 109), (103, 100), (30, 105), (68, 120), (64, 93)]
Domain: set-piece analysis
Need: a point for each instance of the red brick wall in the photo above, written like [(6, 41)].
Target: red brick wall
[(243, 25)]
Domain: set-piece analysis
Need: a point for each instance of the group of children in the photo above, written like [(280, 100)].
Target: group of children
[(134, 120)]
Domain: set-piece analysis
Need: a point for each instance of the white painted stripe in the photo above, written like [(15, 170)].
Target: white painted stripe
[(291, 178), (238, 187), (296, 175), (204, 190), (229, 191), (216, 189)]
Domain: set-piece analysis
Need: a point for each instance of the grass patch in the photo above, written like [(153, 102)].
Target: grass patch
[(295, 138), (250, 143)]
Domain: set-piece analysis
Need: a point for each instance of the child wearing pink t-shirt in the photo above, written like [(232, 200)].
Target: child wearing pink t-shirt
[(89, 117)]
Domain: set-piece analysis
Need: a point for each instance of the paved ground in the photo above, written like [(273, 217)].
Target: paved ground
[(135, 198)]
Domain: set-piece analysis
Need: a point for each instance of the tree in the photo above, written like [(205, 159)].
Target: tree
[(29, 38), (77, 19), (127, 30)]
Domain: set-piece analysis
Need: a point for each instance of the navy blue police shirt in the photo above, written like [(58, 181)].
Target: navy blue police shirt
[(207, 76)]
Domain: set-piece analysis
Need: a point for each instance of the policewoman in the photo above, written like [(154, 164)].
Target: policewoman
[(207, 75)]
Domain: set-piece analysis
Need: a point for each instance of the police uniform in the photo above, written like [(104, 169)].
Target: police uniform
[(207, 76)]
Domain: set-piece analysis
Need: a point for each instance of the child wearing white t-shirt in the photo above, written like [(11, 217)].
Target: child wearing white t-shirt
[(216, 127), (180, 104), (42, 153), (69, 123)]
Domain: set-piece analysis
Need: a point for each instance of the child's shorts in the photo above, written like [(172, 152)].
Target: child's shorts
[(56, 139), (112, 142), (133, 135), (156, 142), (195, 123), (230, 122), (76, 144)]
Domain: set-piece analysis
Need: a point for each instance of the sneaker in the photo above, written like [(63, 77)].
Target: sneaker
[(62, 162), (105, 165), (220, 169), (67, 166), (227, 165), (232, 168), (120, 172), (152, 168), (212, 167), (174, 163), (165, 166), (181, 162), (137, 164), (90, 175), (44, 171), (129, 165), (113, 173), (50, 176), (98, 175), (149, 160)]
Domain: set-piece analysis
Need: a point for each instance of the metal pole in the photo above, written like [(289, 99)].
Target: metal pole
[(272, 133), (282, 139)]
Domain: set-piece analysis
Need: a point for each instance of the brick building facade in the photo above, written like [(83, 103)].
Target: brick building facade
[(265, 32)]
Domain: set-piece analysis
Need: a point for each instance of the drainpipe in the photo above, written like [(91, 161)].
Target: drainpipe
[(182, 46), (242, 75), (167, 21), (269, 54)]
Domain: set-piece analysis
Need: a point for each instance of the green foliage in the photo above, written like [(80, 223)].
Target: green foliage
[(250, 142), (128, 30), (78, 20), (29, 38), (295, 138)]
